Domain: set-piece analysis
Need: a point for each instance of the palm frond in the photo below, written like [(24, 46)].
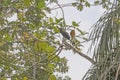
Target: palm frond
[(106, 40), (105, 33)]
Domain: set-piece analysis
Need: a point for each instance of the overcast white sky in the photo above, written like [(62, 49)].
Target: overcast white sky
[(77, 64)]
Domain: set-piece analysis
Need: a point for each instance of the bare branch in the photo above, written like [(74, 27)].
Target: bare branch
[(64, 22), (80, 53)]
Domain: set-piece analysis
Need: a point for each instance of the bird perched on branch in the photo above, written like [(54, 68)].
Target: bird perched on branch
[(64, 33), (72, 34)]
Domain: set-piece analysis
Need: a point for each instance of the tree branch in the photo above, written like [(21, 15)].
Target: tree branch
[(64, 22), (80, 53)]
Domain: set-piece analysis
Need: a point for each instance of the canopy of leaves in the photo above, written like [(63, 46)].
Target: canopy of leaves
[(28, 43)]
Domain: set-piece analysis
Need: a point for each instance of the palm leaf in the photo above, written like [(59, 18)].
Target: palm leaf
[(105, 34)]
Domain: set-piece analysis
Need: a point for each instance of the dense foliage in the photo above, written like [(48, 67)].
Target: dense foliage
[(30, 41)]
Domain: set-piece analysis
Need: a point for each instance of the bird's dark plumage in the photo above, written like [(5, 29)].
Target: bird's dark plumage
[(64, 34)]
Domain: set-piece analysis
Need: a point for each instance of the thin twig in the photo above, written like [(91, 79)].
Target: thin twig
[(60, 49), (64, 22)]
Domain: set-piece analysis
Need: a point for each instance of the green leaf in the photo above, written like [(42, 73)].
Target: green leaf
[(41, 34), (82, 0), (16, 79), (74, 4), (58, 20), (41, 4), (118, 21), (56, 30), (51, 20), (51, 66), (27, 2), (81, 32), (96, 2), (74, 23), (50, 49), (6, 2), (25, 78), (80, 7), (40, 46), (87, 4), (8, 37), (52, 77)]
